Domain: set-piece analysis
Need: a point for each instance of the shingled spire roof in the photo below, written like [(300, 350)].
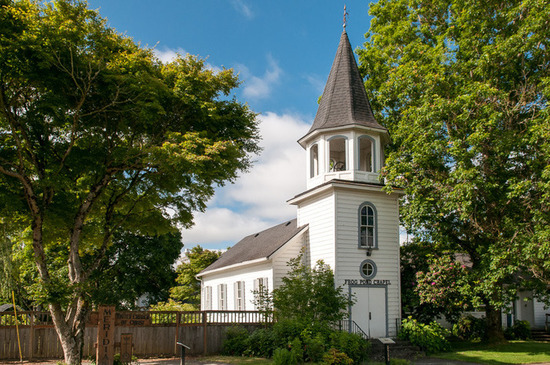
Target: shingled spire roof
[(344, 101)]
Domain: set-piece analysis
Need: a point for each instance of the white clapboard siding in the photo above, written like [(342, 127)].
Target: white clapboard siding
[(280, 258), (540, 313), (386, 257), (245, 273), (318, 212)]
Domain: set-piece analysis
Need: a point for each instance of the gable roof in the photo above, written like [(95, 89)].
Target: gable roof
[(257, 246), (344, 101)]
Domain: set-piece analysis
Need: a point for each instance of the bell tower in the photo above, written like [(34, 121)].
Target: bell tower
[(345, 141)]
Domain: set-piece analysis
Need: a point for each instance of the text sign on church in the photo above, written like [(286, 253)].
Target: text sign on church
[(366, 282)]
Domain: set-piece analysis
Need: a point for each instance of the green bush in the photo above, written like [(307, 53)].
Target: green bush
[(334, 356), (351, 344), (470, 328), (521, 330), (429, 337), (399, 362), (261, 343), (283, 356), (314, 347), (285, 331), (236, 342)]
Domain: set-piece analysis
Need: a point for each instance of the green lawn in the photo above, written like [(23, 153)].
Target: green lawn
[(236, 360), (513, 352)]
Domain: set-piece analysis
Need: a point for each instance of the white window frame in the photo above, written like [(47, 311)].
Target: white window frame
[(222, 297), (239, 296), (207, 297)]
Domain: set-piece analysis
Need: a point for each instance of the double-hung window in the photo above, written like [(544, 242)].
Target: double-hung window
[(367, 226), (239, 296), (222, 296)]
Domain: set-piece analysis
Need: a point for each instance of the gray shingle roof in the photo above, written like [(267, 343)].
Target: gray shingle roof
[(256, 246), (344, 101)]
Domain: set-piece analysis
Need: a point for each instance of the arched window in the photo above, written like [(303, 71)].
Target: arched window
[(367, 226), (366, 154), (314, 160), (337, 154)]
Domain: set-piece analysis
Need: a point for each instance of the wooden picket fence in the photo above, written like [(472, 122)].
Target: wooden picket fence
[(153, 333)]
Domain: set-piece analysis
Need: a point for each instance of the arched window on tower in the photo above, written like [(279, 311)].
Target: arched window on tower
[(366, 154), (367, 226), (314, 160), (337, 154)]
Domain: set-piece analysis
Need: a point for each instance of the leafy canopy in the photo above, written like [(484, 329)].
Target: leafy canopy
[(98, 137), (463, 87)]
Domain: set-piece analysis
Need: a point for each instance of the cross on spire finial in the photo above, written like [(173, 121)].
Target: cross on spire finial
[(346, 14)]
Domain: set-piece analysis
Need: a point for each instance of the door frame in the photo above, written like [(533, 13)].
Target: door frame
[(377, 286)]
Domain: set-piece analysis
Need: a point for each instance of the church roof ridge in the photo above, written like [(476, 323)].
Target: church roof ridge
[(344, 101)]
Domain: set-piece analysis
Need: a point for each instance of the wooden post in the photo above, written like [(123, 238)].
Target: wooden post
[(178, 318), (205, 336), (105, 353), (126, 347), (31, 336)]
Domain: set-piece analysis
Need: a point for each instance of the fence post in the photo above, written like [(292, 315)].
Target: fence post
[(205, 336), (178, 318), (31, 336)]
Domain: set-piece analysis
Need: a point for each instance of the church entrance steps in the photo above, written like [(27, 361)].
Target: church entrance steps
[(540, 335)]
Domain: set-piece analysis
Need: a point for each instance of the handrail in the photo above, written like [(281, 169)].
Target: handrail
[(547, 322)]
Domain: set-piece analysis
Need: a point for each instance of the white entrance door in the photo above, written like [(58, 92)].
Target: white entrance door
[(369, 310)]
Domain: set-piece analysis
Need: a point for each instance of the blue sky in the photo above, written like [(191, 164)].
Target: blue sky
[(283, 51)]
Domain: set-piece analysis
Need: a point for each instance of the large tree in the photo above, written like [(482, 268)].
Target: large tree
[(189, 288), (463, 87), (98, 137)]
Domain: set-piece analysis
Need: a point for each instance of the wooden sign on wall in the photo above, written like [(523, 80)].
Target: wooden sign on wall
[(105, 352)]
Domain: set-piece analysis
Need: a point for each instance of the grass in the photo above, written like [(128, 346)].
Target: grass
[(513, 352), (236, 360)]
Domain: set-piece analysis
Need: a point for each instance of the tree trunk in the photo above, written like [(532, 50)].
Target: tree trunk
[(70, 331), (494, 324)]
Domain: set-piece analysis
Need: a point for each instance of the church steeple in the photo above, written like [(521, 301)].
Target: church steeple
[(344, 101), (345, 141)]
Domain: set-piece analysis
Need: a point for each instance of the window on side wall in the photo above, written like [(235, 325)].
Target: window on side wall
[(367, 226), (239, 296), (222, 296), (207, 295)]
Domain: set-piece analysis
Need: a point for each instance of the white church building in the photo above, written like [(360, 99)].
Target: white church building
[(343, 218)]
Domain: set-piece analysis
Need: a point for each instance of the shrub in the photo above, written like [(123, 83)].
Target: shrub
[(429, 337), (521, 330), (285, 331), (314, 347), (470, 328), (236, 342), (399, 362), (333, 356), (282, 356), (261, 343), (351, 344)]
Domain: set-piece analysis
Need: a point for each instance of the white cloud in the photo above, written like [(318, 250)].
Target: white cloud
[(167, 55), (260, 87), (258, 198), (242, 8)]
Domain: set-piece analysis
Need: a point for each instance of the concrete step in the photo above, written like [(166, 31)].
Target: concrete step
[(540, 335)]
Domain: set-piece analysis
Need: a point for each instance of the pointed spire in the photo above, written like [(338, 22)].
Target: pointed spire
[(344, 101)]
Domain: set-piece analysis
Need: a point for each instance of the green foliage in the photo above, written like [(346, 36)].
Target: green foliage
[(261, 343), (521, 330), (470, 328), (429, 337), (353, 345), (189, 288), (236, 341), (464, 89), (310, 295), (333, 356), (172, 305), (99, 137), (314, 346), (442, 286), (283, 356)]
